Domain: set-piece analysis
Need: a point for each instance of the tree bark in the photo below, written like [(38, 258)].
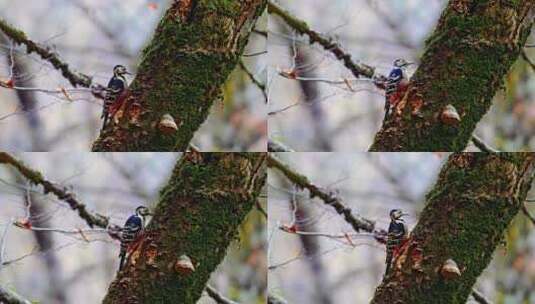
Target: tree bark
[(196, 46), (474, 200), (197, 216), (474, 45)]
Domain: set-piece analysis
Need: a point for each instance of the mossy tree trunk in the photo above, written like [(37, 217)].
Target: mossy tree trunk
[(197, 216), (474, 200), (474, 45), (195, 47)]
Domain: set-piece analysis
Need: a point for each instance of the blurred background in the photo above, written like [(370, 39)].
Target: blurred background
[(53, 267), (93, 37), (316, 114), (325, 270)]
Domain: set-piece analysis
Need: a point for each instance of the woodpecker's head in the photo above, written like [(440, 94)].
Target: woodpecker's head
[(396, 214), (120, 70), (142, 211), (401, 63)]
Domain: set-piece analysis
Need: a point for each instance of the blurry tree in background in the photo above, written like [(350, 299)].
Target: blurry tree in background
[(349, 248), (83, 261), (92, 37), (352, 42)]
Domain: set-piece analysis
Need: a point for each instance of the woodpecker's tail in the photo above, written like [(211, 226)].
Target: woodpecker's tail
[(122, 255), (388, 262)]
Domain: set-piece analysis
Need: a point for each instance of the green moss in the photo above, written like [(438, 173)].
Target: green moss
[(198, 215), (470, 206), (181, 73), (463, 65)]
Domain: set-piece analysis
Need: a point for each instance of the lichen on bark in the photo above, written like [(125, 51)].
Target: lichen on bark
[(474, 200), (465, 60), (198, 215), (194, 49)]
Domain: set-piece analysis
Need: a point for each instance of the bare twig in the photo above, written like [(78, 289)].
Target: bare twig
[(335, 236), (275, 146), (3, 243), (526, 58), (481, 145), (357, 69), (527, 214), (63, 194), (46, 53), (255, 81), (274, 299), (479, 297), (329, 198), (217, 297), (118, 45), (11, 297)]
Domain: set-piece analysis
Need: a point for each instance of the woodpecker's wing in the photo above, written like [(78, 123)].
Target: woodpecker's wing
[(133, 221), (395, 75), (116, 84)]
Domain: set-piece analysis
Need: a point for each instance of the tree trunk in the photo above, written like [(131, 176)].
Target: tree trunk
[(466, 58), (474, 200), (197, 216), (196, 46)]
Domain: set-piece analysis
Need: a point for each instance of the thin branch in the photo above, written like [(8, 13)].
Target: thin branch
[(63, 194), (482, 146), (46, 53), (329, 198), (261, 209), (275, 146), (347, 237), (260, 86), (3, 243), (217, 297), (11, 297), (479, 297), (526, 58), (527, 214), (274, 299), (118, 46), (358, 69)]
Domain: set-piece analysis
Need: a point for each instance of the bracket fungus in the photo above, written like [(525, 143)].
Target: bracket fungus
[(450, 116), (167, 124), (184, 265), (450, 270)]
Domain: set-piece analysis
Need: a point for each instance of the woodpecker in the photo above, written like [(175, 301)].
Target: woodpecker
[(132, 230), (397, 233), (116, 86), (395, 78)]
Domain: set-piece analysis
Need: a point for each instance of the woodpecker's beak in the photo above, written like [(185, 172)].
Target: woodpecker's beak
[(409, 63), (404, 214), (127, 73)]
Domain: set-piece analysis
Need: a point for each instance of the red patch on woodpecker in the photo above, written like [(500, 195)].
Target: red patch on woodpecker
[(114, 108), (400, 248), (396, 97)]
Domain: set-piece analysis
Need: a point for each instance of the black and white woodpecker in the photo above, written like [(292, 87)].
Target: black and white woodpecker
[(116, 86), (397, 75), (397, 233), (133, 228)]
